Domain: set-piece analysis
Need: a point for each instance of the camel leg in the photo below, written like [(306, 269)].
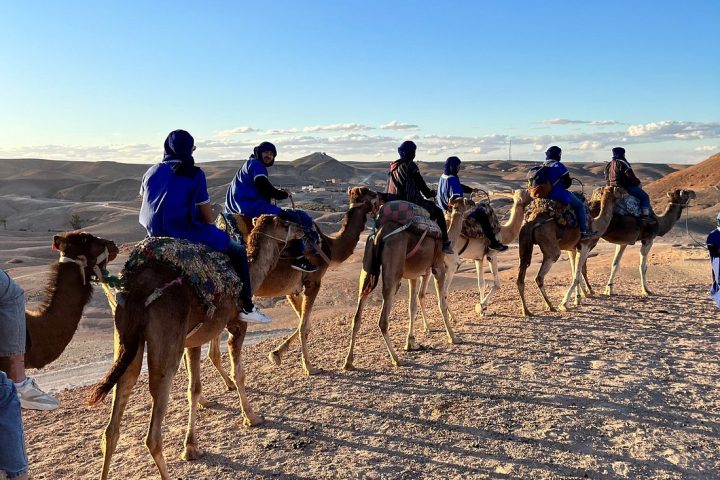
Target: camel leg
[(215, 358), (644, 251), (575, 258), (525, 251), (348, 365), (410, 343), (588, 290), (121, 395), (311, 292), (237, 331), (551, 253), (192, 363), (619, 250), (275, 356), (580, 270), (441, 287), (421, 301), (389, 292), (165, 350), (451, 269)]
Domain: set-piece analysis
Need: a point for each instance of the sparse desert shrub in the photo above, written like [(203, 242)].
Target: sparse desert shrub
[(76, 222)]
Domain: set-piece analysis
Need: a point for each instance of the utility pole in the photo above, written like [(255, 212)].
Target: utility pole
[(510, 149)]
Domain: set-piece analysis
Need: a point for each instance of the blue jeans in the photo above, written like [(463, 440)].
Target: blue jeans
[(563, 196), (640, 194), (13, 459), (12, 317), (238, 258)]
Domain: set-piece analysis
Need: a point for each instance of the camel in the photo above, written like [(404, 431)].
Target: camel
[(168, 315), (409, 255), (477, 249), (50, 329), (625, 230), (552, 238), (302, 288)]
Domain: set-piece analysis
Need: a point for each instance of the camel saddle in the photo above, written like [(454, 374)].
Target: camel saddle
[(410, 216), (563, 214), (207, 271), (471, 227), (627, 205)]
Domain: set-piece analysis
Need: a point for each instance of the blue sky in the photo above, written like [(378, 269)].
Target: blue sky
[(108, 80)]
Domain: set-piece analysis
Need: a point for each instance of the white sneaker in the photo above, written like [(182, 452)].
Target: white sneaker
[(256, 316), (32, 398)]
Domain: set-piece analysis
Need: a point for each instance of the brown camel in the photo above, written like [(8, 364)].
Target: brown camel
[(477, 249), (388, 256), (173, 321), (625, 230), (50, 329), (301, 288), (553, 238)]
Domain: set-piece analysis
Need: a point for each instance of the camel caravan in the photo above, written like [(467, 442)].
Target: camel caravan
[(195, 274)]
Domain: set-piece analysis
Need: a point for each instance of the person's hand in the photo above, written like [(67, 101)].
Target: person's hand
[(433, 193)]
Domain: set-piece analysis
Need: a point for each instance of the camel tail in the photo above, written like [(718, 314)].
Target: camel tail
[(526, 242), (130, 323), (372, 263)]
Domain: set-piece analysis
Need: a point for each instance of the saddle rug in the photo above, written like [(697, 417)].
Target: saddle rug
[(406, 213), (230, 223), (563, 214), (209, 272), (628, 205), (471, 227)]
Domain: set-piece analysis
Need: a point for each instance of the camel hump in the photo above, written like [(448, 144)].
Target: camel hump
[(207, 271), (563, 214), (471, 225)]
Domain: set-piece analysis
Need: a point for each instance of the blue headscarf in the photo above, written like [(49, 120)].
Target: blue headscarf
[(179, 145), (452, 164), (553, 153), (618, 152)]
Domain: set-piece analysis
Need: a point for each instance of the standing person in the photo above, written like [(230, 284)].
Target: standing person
[(713, 246), (176, 203), (449, 187), (406, 183), (559, 177), (619, 173), (250, 193), (12, 346), (13, 458)]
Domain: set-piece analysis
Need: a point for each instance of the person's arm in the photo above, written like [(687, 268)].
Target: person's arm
[(422, 186), (267, 190), (466, 189), (206, 213)]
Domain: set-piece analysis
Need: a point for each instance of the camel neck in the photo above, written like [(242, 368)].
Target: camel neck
[(667, 220), (343, 244), (51, 328), (510, 230)]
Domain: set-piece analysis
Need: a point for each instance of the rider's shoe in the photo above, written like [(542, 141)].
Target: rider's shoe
[(304, 265)]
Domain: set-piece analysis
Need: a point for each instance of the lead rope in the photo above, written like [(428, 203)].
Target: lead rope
[(687, 227)]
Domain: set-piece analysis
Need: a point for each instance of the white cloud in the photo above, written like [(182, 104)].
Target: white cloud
[(235, 131), (395, 125), (338, 127), (565, 121), (706, 148)]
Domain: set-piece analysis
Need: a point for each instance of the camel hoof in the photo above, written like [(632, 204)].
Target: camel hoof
[(275, 358), (203, 402), (349, 367), (608, 292), (254, 420), (231, 387), (526, 312), (562, 308), (647, 293), (191, 452), (455, 341), (550, 308), (412, 347), (398, 363), (480, 309), (311, 371)]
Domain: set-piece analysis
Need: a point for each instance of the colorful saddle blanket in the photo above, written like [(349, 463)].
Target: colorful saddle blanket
[(563, 214), (628, 205), (471, 227), (235, 225), (208, 272), (404, 213)]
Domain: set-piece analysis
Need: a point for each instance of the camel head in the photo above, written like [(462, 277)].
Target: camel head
[(614, 192), (461, 205), (681, 197), (91, 253), (522, 197), (360, 195), (272, 227)]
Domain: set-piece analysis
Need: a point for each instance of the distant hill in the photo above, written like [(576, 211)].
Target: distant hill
[(321, 166)]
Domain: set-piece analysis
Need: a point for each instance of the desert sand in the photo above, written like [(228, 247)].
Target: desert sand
[(620, 387)]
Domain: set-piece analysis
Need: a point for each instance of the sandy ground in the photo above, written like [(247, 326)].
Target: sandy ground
[(623, 387)]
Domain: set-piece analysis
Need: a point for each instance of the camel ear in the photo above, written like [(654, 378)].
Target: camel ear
[(349, 191), (669, 194)]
